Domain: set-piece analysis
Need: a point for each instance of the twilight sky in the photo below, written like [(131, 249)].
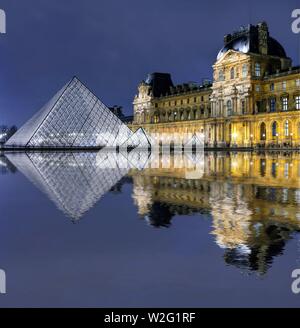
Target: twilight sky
[(111, 45)]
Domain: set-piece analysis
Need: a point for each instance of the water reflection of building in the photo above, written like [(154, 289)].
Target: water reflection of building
[(253, 200)]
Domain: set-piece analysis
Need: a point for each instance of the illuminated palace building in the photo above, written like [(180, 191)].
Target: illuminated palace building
[(253, 101)]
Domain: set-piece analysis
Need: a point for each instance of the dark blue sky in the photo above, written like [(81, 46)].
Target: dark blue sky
[(112, 44)]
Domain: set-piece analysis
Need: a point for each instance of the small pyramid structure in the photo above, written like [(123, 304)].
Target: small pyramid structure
[(139, 139), (197, 140)]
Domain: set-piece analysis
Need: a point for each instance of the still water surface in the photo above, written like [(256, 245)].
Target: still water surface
[(114, 230)]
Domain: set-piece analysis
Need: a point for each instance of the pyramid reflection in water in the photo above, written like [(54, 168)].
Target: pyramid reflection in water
[(74, 181)]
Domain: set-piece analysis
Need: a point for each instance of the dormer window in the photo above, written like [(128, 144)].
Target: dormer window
[(284, 85), (257, 70)]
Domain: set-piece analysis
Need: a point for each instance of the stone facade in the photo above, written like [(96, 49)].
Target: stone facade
[(254, 100)]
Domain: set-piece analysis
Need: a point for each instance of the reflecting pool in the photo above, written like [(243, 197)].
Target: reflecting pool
[(106, 229)]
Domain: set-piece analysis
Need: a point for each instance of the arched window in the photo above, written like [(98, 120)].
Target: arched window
[(229, 107), (274, 129), (286, 128), (175, 116), (263, 131), (182, 116), (232, 73), (195, 114)]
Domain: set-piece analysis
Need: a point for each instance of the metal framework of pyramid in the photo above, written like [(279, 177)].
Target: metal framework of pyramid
[(139, 139), (73, 118)]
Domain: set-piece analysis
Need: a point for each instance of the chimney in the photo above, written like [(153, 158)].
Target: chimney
[(263, 36)]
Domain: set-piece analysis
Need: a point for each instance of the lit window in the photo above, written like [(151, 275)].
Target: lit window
[(297, 100), (245, 70), (284, 85), (232, 73), (286, 128), (284, 103), (257, 69), (257, 88), (297, 83)]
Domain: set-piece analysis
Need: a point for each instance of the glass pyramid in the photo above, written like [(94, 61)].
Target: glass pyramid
[(138, 139), (74, 117), (197, 140)]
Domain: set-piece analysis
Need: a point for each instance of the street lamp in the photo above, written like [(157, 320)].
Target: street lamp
[(264, 139)]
